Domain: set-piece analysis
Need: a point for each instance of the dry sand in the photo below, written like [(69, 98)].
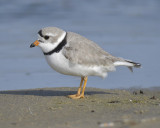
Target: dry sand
[(50, 108)]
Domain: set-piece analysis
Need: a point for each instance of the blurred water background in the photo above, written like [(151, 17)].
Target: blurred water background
[(125, 28)]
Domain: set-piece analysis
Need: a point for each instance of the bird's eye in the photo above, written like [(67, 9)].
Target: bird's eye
[(46, 37)]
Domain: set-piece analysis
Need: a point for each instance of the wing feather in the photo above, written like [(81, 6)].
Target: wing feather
[(80, 50)]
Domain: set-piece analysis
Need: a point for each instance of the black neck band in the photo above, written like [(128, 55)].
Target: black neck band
[(58, 48)]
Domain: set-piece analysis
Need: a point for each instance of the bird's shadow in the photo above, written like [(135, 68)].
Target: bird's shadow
[(45, 92)]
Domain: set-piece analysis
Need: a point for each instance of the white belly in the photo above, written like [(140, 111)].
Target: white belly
[(62, 65)]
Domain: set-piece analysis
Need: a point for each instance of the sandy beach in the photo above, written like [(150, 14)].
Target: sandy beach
[(50, 108), (127, 29)]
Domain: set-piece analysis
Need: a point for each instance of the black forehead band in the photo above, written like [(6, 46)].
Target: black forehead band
[(40, 33)]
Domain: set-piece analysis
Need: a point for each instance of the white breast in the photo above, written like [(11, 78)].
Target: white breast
[(58, 62), (62, 65)]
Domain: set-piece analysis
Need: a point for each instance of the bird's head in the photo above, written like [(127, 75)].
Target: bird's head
[(49, 38)]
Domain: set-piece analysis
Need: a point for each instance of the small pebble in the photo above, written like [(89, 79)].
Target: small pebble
[(141, 92), (116, 101), (153, 98), (141, 112), (92, 111), (105, 125)]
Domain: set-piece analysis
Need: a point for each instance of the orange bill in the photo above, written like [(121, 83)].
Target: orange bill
[(36, 43)]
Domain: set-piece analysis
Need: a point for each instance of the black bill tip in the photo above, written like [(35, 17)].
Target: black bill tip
[(32, 45)]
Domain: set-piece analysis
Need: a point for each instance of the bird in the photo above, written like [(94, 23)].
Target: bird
[(70, 53)]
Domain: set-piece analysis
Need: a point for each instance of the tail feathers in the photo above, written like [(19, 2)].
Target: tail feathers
[(137, 65), (128, 63)]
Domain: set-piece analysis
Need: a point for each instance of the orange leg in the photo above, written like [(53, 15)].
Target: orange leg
[(80, 87), (79, 94)]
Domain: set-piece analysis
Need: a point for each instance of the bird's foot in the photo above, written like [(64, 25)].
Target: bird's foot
[(76, 96)]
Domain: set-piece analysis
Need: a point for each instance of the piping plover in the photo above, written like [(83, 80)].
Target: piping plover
[(72, 54)]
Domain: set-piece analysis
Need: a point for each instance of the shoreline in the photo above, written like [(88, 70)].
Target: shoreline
[(50, 107)]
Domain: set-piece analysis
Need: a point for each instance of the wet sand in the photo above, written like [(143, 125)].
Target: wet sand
[(50, 108)]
